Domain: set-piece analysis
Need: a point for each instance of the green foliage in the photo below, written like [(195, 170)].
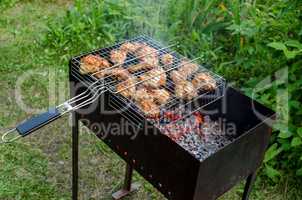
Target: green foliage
[(290, 54), (4, 4), (245, 41), (289, 131), (90, 25)]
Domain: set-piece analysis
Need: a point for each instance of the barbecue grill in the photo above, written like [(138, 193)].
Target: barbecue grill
[(172, 153)]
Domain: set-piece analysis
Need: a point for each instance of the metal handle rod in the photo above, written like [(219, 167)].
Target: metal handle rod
[(3, 138), (66, 109), (73, 101), (88, 101), (81, 94)]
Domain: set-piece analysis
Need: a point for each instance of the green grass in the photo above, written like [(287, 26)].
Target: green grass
[(39, 166), (24, 174)]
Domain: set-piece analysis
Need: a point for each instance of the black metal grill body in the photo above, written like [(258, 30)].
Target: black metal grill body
[(174, 171), (167, 166)]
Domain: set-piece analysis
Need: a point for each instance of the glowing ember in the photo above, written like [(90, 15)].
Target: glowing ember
[(176, 129), (197, 134)]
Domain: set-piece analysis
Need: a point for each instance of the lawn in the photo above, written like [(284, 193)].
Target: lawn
[(39, 166)]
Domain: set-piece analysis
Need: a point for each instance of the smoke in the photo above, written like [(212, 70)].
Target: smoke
[(150, 18)]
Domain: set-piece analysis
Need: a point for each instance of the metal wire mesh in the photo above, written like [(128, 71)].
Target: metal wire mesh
[(204, 97)]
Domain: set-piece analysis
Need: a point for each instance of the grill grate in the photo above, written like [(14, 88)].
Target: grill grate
[(105, 53), (111, 83)]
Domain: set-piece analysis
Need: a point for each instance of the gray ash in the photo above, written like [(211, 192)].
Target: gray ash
[(199, 135), (203, 146)]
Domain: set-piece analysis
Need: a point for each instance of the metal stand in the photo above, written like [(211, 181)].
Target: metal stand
[(75, 155), (248, 186), (128, 186)]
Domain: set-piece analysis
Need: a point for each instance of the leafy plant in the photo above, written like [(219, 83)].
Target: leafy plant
[(295, 45), (4, 4)]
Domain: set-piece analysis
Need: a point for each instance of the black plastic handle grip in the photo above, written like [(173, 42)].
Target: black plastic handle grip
[(38, 121)]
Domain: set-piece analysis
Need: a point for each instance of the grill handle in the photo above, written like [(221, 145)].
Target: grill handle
[(38, 121), (32, 124)]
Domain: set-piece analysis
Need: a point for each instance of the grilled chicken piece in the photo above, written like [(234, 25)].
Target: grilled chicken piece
[(103, 73), (140, 66), (93, 63), (154, 78), (187, 69), (147, 55), (142, 94), (185, 90), (149, 108), (161, 96), (177, 77), (148, 100), (127, 88), (149, 60), (130, 47), (118, 56), (184, 72), (120, 73), (204, 81), (167, 59), (145, 49)]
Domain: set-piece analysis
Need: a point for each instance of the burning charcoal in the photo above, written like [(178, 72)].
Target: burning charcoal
[(199, 135)]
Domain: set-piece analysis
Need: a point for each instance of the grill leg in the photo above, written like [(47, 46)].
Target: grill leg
[(128, 186), (248, 186), (75, 155)]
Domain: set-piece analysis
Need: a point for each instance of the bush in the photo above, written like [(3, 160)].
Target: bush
[(89, 25), (246, 41), (4, 4)]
